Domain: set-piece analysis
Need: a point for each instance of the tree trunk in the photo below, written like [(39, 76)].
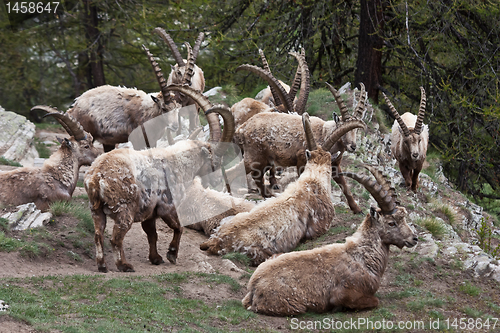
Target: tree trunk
[(369, 62), (94, 40)]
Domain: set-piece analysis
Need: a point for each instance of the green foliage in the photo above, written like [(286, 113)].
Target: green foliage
[(434, 226), (42, 149), (239, 257), (5, 161), (469, 289), (78, 210), (484, 234)]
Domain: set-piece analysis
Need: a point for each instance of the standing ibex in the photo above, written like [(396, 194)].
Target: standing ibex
[(409, 141), (336, 275), (303, 211), (56, 179), (111, 113), (136, 186), (270, 139)]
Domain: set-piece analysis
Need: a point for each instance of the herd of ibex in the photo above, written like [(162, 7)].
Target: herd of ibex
[(130, 185)]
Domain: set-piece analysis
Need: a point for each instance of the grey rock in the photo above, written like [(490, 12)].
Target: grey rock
[(27, 216), (17, 138)]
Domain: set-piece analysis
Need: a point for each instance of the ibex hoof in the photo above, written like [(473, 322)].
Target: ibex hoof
[(103, 269), (172, 257)]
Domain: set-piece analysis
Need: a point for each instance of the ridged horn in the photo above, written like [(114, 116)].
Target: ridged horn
[(283, 96), (170, 42), (205, 104), (70, 124), (306, 123), (340, 102), (229, 127), (296, 80), (197, 45), (382, 179), (358, 113), (396, 115), (385, 200), (421, 112), (189, 71), (304, 83), (340, 131), (158, 74), (265, 64)]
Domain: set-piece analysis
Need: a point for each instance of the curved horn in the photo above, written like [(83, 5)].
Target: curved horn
[(159, 75), (396, 115), (197, 45), (277, 100), (358, 113), (195, 133), (229, 127), (340, 102), (382, 179), (311, 143), (70, 124), (384, 200), (340, 131), (170, 42), (304, 83), (188, 73), (296, 80), (283, 96), (205, 104), (421, 112)]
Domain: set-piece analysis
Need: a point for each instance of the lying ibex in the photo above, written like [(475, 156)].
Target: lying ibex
[(271, 140), (303, 211), (409, 141), (111, 113), (336, 275), (211, 207), (56, 179), (133, 186)]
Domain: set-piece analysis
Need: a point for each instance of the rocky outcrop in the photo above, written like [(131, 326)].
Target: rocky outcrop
[(26, 216), (17, 138)]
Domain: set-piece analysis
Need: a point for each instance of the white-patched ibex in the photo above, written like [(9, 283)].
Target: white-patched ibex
[(409, 141)]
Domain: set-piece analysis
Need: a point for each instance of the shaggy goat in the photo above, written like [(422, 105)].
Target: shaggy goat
[(216, 206), (133, 186), (56, 179), (409, 141), (111, 113), (336, 275), (271, 140), (303, 211)]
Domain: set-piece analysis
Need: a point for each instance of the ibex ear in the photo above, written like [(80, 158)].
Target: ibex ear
[(308, 154), (205, 151), (156, 100), (64, 142), (374, 214), (336, 118)]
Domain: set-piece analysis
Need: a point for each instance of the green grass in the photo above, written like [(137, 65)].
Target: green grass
[(239, 257), (321, 103), (78, 210), (469, 289), (97, 303), (42, 149), (5, 161), (434, 226)]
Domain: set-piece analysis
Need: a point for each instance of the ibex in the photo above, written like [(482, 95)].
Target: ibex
[(133, 186), (56, 179), (409, 141), (111, 113), (334, 276), (303, 211)]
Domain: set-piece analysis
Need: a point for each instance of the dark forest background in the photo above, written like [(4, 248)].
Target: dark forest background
[(450, 47)]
